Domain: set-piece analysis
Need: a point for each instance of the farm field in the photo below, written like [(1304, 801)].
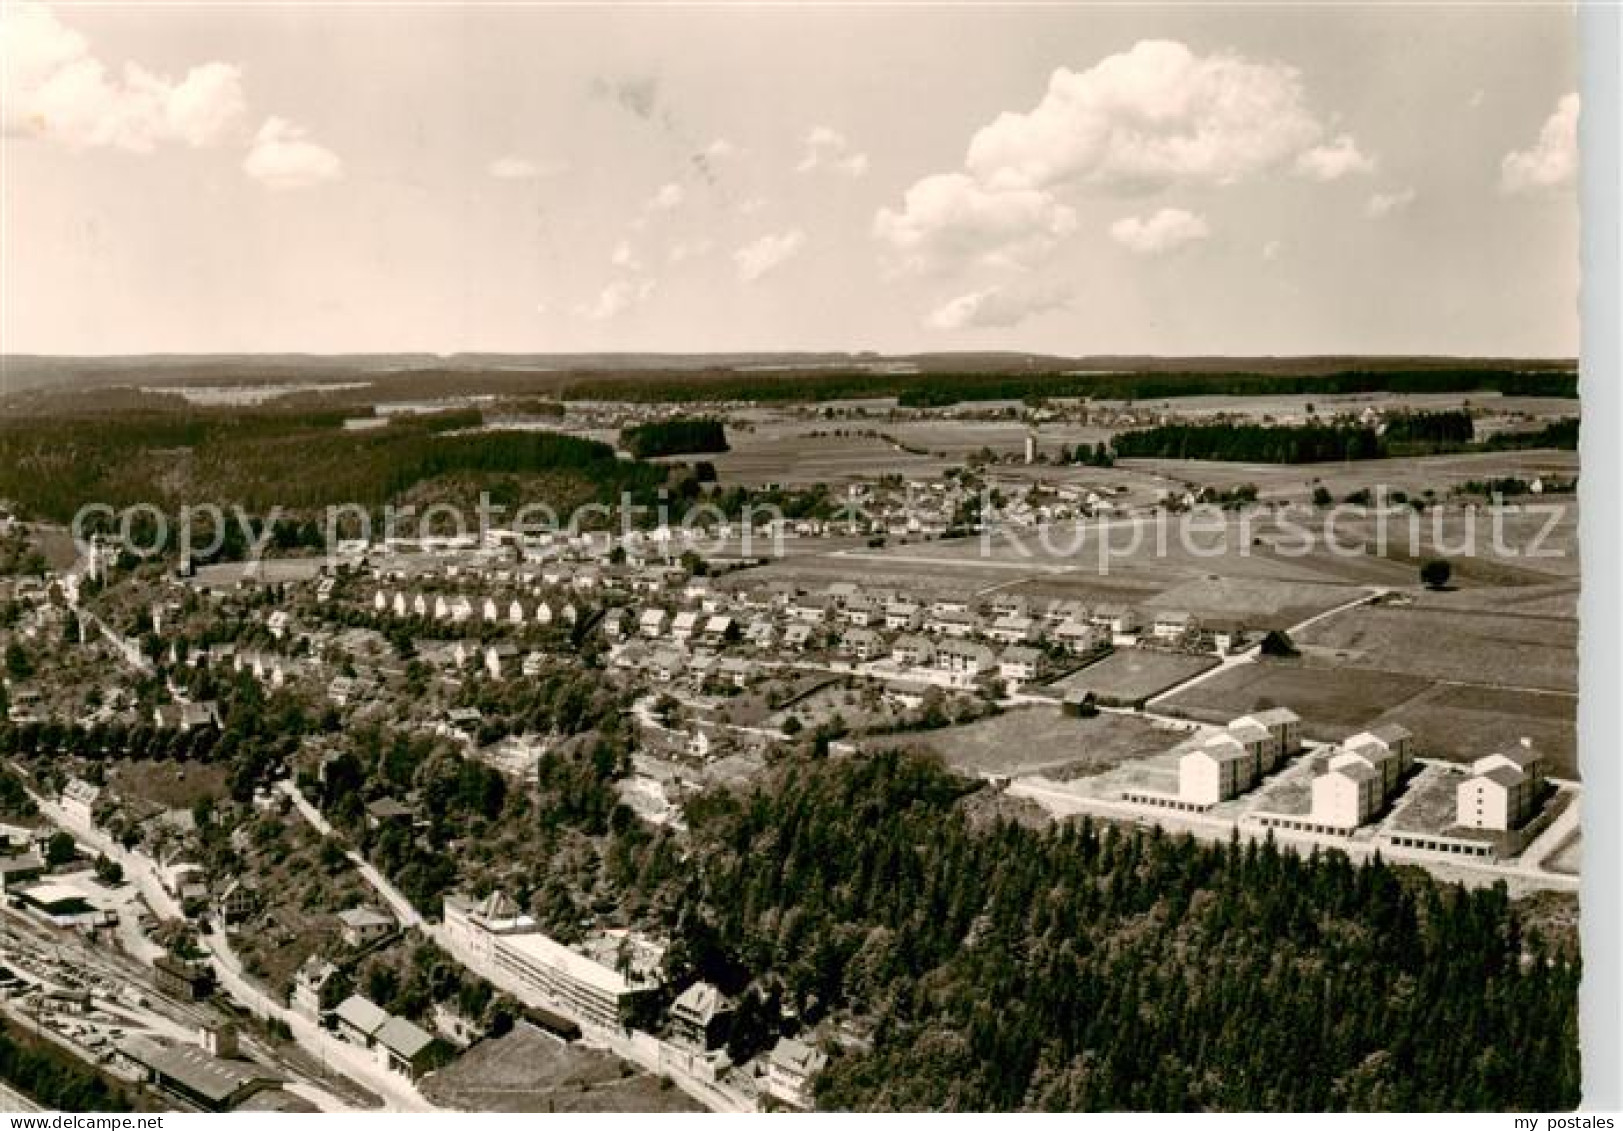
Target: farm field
[(1332, 704), (1039, 740), (958, 439), (1132, 675), (1450, 721), (784, 453), (1288, 406), (1463, 723), (1504, 649), (529, 1070)]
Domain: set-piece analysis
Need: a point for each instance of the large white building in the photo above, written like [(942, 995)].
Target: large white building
[(1503, 789), (505, 944), (1345, 796)]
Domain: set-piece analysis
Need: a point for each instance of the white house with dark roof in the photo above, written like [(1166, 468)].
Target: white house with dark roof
[(790, 1067)]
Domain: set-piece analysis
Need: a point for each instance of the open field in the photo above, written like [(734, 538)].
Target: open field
[(1039, 740), (1133, 675), (784, 453), (959, 439), (1461, 723), (1332, 704), (1456, 722), (529, 1070), (173, 785), (1504, 649)]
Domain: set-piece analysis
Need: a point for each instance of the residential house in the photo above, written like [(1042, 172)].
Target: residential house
[(913, 651), (363, 926), (717, 629), (1077, 636), (1020, 664), (359, 1019), (407, 1049), (685, 625), (798, 636), (1172, 624), (652, 622), (790, 1067), (963, 658), (863, 643), (701, 1015), (237, 901), (1013, 628)]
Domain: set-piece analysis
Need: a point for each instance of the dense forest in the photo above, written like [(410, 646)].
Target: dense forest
[(1075, 967), (1252, 443), (298, 461), (923, 390), (1405, 434), (675, 438)]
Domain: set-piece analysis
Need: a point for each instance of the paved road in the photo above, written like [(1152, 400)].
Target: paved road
[(404, 912)]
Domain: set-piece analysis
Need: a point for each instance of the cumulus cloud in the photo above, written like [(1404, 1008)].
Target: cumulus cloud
[(1166, 230), (762, 256), (1151, 116), (998, 307), (828, 148), (1155, 116), (512, 167), (55, 89), (1340, 158), (282, 157), (1384, 204), (949, 218), (617, 297), (1552, 161)]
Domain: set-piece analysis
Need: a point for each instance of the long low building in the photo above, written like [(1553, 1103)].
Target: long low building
[(510, 946), (195, 1076)]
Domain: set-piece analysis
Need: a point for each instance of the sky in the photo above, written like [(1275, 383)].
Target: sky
[(1075, 180)]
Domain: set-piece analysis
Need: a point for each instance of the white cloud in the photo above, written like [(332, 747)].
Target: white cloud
[(753, 205), (622, 256), (512, 167), (617, 297), (1152, 116), (998, 307), (1167, 230), (1384, 204), (1272, 250), (1478, 97), (950, 218), (720, 150), (683, 250), (281, 157), (668, 197), (56, 90), (759, 257), (1340, 158), (1552, 161), (828, 148)]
